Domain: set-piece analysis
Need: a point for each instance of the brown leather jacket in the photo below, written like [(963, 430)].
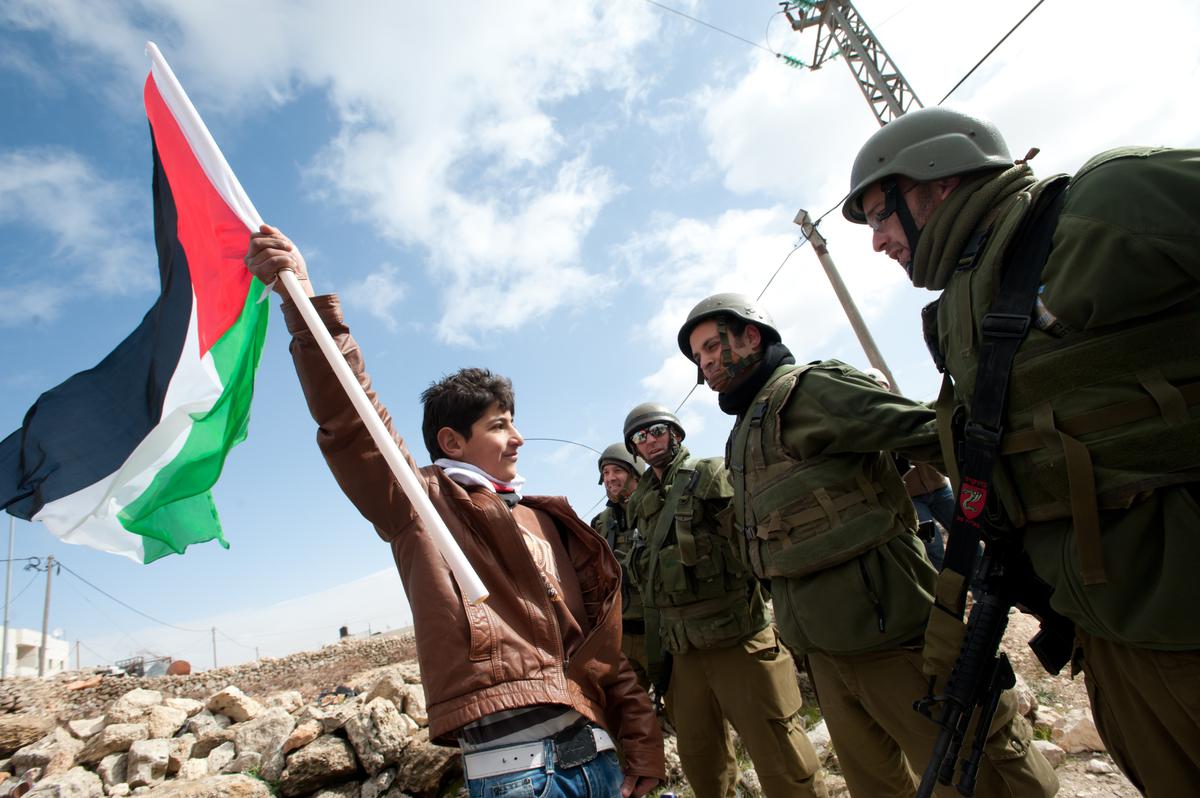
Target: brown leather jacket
[(507, 652)]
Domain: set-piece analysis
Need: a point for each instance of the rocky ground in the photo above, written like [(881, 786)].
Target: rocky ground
[(283, 727)]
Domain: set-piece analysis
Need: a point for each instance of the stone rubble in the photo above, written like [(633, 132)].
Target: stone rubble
[(274, 728), (369, 740)]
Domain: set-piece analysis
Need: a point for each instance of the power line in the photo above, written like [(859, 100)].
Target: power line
[(565, 440), (32, 579), (236, 642), (127, 606), (989, 52), (137, 644), (689, 396), (94, 652), (778, 268), (713, 27)]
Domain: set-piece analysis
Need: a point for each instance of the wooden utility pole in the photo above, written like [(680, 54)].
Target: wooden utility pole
[(46, 617), (214, 641), (841, 30), (874, 356)]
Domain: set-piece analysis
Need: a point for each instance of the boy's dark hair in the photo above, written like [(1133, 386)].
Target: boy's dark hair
[(458, 400)]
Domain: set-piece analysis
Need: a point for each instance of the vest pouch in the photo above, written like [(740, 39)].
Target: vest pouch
[(799, 552), (868, 603), (650, 504), (673, 588), (725, 628), (1130, 396), (711, 574)]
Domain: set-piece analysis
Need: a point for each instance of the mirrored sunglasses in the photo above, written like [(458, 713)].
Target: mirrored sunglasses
[(653, 431)]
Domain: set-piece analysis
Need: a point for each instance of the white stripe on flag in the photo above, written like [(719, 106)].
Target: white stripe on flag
[(201, 141), (89, 516)]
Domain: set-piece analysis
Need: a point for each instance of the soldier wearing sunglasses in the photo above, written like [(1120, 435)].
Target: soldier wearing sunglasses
[(706, 613)]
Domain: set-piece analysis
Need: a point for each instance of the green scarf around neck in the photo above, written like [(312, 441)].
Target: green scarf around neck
[(960, 215)]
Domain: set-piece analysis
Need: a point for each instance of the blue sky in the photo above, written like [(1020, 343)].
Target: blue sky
[(544, 191)]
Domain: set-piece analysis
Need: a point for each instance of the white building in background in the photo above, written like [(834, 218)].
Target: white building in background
[(25, 649)]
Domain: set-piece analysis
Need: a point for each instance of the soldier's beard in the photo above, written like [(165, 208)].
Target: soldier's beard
[(728, 376)]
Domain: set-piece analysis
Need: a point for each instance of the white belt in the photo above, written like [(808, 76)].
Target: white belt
[(513, 758)]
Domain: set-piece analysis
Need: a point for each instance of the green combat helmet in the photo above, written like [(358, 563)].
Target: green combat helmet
[(616, 454), (718, 306), (737, 305), (924, 145), (644, 415)]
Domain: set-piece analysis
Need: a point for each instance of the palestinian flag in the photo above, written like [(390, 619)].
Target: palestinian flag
[(122, 457)]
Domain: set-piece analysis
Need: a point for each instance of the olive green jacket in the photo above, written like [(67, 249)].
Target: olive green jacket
[(872, 587), (1107, 493), (695, 589), (613, 524)]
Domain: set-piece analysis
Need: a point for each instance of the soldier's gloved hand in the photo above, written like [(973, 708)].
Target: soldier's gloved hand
[(945, 631)]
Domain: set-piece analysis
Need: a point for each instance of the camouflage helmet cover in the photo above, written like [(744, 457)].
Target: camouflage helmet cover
[(728, 304), (926, 144), (644, 415), (616, 454)]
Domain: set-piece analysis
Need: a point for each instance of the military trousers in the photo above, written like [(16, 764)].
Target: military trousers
[(1146, 705), (883, 745), (752, 685)]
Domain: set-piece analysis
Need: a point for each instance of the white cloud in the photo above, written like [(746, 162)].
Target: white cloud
[(447, 136), (791, 135), (85, 218), (777, 130), (379, 293)]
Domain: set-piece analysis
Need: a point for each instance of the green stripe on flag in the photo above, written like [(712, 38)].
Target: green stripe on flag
[(177, 509)]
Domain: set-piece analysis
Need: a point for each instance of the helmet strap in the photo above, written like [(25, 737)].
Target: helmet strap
[(673, 445), (747, 363), (894, 202)]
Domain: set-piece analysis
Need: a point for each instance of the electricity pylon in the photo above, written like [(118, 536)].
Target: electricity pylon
[(878, 77)]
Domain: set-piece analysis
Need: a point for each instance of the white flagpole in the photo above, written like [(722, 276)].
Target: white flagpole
[(223, 178)]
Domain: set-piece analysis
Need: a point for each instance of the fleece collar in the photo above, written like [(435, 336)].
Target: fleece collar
[(466, 474)]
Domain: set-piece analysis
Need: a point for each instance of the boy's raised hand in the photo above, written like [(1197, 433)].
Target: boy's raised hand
[(271, 252)]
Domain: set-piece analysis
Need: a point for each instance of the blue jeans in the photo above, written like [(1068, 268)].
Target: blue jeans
[(937, 505), (600, 778)]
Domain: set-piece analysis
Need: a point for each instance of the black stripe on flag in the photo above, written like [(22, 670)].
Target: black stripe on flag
[(83, 430)]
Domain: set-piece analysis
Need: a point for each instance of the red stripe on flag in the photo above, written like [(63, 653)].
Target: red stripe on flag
[(211, 234)]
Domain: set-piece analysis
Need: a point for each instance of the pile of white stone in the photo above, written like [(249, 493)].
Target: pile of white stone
[(371, 745)]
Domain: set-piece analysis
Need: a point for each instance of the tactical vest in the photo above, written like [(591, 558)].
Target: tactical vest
[(794, 517), (1094, 419), (703, 597), (621, 538)]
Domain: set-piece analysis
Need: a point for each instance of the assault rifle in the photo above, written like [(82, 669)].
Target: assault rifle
[(982, 672)]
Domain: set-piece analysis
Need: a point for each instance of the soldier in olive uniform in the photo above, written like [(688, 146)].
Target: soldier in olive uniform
[(820, 511), (1099, 459), (707, 612), (619, 472)]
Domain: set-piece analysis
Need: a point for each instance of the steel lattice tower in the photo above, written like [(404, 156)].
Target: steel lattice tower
[(838, 21)]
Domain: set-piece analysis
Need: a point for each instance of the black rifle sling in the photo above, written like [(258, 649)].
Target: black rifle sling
[(1004, 329)]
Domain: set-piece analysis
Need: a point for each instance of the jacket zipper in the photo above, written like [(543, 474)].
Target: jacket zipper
[(862, 567)]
